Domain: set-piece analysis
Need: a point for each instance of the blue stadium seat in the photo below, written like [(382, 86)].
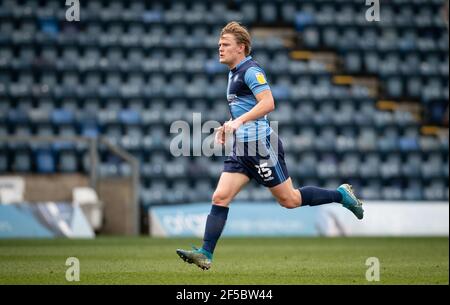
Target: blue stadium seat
[(304, 19), (370, 166), (62, 116), (268, 12), (68, 162), (129, 117), (328, 167), (371, 191), (203, 190), (3, 162), (17, 116), (413, 191), (391, 168), (408, 144), (249, 11), (132, 139), (392, 192), (412, 166), (353, 62), (45, 161), (435, 191)]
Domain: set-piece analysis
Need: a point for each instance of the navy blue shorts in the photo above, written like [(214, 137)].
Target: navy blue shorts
[(262, 160)]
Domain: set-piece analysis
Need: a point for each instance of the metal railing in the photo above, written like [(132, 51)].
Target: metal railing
[(93, 144)]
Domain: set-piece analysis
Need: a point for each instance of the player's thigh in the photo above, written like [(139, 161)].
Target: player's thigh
[(228, 186), (286, 194)]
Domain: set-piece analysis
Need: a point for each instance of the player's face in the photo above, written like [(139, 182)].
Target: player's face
[(229, 49)]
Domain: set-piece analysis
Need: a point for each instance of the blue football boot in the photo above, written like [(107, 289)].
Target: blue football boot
[(200, 257), (350, 201)]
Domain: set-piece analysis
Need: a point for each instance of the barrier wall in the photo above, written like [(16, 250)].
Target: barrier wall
[(43, 220), (269, 219)]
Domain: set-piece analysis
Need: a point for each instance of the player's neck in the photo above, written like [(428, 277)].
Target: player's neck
[(236, 62)]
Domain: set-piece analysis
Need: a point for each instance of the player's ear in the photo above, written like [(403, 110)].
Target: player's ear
[(242, 48)]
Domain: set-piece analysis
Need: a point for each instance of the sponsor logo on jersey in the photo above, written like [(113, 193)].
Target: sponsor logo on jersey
[(231, 97), (260, 78)]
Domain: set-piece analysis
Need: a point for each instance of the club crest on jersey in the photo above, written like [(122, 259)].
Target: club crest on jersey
[(260, 78)]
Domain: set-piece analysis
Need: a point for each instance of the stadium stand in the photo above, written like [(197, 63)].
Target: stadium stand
[(357, 101)]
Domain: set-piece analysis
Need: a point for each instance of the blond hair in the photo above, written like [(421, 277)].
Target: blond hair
[(240, 33)]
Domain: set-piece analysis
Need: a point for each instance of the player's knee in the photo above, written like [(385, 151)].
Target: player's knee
[(220, 198), (288, 202), (289, 205)]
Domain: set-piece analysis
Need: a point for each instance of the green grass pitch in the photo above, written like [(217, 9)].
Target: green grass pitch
[(142, 260)]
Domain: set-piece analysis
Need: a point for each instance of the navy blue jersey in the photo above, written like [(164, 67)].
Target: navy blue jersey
[(245, 81)]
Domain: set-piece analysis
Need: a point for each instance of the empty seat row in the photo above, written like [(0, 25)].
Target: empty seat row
[(181, 192), (351, 39), (396, 64), (336, 113)]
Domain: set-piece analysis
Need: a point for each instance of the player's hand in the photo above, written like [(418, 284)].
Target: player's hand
[(220, 135), (232, 126)]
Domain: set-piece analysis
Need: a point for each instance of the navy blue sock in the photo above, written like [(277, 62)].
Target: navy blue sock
[(214, 226), (312, 195)]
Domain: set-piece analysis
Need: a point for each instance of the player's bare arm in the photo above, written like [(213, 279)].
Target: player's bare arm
[(265, 104)]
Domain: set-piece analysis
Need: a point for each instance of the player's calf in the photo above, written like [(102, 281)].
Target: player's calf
[(286, 195), (288, 203), (288, 199)]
